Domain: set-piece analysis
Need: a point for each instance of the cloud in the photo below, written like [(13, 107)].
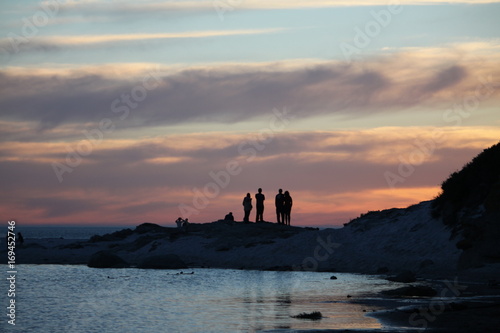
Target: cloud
[(445, 78), (60, 207), (126, 181), (238, 93), (97, 39), (208, 5), (54, 43)]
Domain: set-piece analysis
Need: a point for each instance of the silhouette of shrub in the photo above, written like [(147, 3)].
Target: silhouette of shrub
[(468, 187)]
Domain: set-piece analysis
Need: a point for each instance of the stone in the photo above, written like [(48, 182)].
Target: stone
[(412, 291), (106, 259)]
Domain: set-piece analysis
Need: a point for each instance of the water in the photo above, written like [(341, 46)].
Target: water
[(65, 232), (57, 298)]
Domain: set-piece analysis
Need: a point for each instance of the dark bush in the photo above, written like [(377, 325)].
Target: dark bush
[(468, 187)]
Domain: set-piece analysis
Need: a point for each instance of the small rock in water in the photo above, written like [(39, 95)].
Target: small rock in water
[(316, 315), (333, 277)]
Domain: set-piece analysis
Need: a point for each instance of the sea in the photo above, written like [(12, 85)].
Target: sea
[(79, 299), (66, 232)]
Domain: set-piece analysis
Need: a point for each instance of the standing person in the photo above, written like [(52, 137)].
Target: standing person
[(20, 238), (259, 198), (278, 202), (287, 207), (179, 222), (247, 207), (185, 225)]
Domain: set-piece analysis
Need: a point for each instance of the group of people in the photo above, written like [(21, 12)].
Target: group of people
[(283, 203), (182, 224)]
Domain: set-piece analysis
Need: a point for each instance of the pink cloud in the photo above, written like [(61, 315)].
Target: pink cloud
[(333, 176)]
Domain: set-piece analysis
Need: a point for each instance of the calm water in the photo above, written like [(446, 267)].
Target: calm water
[(55, 298)]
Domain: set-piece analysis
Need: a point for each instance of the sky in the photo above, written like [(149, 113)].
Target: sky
[(124, 112)]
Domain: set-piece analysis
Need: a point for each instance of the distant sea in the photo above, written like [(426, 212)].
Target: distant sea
[(66, 232)]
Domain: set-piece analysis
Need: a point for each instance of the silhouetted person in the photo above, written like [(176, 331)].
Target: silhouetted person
[(20, 238), (179, 222), (247, 207), (287, 207), (278, 202), (229, 217), (185, 225), (259, 198)]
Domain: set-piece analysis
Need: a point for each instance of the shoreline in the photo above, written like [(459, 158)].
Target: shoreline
[(268, 246), (475, 308), (472, 307), (468, 307)]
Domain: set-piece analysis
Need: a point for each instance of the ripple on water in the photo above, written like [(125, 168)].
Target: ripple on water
[(55, 298)]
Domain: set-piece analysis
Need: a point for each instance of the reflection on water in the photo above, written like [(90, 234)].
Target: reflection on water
[(296, 292), (54, 298)]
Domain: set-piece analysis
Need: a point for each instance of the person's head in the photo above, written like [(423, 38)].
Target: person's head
[(248, 195), (260, 190), (230, 213), (280, 191), (287, 193)]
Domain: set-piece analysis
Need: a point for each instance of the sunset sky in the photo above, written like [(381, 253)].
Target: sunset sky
[(123, 112)]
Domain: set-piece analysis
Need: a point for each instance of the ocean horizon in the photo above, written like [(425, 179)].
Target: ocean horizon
[(82, 232), (66, 231)]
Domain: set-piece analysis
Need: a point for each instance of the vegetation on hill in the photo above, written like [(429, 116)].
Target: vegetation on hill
[(470, 204), (477, 184)]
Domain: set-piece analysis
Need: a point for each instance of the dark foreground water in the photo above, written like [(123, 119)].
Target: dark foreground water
[(55, 298)]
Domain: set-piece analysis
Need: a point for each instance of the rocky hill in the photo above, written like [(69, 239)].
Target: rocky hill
[(470, 204)]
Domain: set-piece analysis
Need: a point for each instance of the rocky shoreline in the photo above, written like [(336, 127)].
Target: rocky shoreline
[(445, 252), (471, 295), (387, 242)]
